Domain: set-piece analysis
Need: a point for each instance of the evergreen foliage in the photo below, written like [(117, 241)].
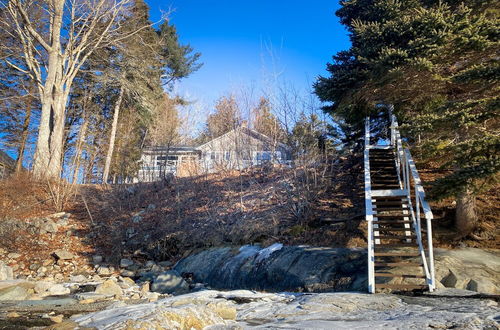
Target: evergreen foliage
[(437, 62)]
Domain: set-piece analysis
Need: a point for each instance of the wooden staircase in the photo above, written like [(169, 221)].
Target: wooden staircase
[(394, 215)]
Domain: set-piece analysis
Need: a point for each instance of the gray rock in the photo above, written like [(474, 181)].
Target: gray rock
[(151, 207), (104, 270), (127, 273), (45, 288), (156, 269), (278, 268), (14, 255), (483, 285), (91, 295), (136, 218), (59, 215), (49, 226), (41, 287), (170, 282), (109, 287), (147, 276), (78, 278), (150, 263), (64, 255), (14, 293), (165, 263), (124, 263), (58, 290), (97, 259), (6, 272), (217, 310), (34, 266)]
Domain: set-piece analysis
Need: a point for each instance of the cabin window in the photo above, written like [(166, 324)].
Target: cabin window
[(163, 160), (227, 155), (166, 157)]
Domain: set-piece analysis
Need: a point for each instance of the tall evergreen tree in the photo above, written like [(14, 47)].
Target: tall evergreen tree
[(436, 62)]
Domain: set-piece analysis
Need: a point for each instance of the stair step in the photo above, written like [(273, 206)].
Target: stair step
[(396, 264), (401, 286), (399, 215), (392, 245), (393, 229), (396, 254), (398, 275), (389, 209), (391, 198), (389, 203), (395, 237), (392, 222)]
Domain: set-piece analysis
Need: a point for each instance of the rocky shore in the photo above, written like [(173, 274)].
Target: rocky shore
[(249, 309), (67, 289)]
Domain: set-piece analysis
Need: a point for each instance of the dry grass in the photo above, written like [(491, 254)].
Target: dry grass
[(23, 196), (320, 205), (260, 205)]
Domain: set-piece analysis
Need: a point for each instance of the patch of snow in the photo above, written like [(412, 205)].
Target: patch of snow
[(266, 253), (247, 251)]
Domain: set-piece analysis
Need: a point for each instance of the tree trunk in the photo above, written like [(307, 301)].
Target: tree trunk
[(112, 136), (53, 98), (24, 136), (465, 217), (79, 147)]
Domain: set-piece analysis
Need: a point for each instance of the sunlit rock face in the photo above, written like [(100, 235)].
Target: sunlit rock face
[(243, 309)]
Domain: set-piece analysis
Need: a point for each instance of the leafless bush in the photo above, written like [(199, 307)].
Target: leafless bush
[(60, 192)]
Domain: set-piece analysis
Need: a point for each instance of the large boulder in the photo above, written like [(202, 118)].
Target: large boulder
[(63, 255), (6, 272), (170, 282), (110, 288), (124, 263), (15, 290), (279, 268), (47, 288)]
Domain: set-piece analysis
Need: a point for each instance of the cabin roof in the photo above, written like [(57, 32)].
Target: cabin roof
[(171, 150), (247, 131)]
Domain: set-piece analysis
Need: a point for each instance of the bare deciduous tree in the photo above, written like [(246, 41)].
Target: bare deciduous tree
[(53, 50)]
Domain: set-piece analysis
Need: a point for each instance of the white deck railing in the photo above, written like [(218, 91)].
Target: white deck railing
[(409, 180)]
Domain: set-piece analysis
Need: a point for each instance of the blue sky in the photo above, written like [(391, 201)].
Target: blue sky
[(236, 39)]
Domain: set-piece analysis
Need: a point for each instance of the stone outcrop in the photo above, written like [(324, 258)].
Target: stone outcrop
[(170, 282), (6, 272), (246, 309), (278, 268), (302, 268), (468, 268)]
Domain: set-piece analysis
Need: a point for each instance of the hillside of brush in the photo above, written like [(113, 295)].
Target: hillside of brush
[(321, 204)]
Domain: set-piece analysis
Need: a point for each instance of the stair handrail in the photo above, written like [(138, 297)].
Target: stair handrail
[(369, 208), (406, 168)]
